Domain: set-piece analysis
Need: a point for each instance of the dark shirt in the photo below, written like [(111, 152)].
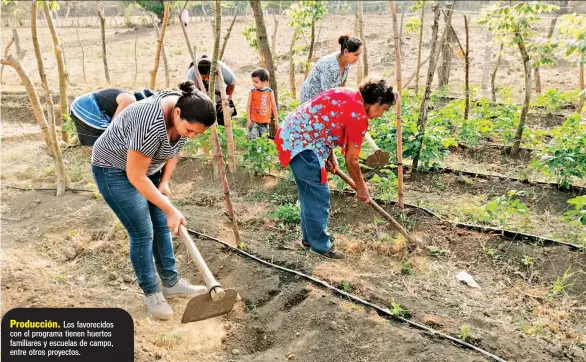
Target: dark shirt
[(106, 99)]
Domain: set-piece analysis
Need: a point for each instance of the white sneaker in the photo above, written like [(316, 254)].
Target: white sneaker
[(158, 306), (183, 289)]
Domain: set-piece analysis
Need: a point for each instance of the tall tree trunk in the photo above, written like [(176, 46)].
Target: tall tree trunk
[(359, 69), (467, 65), (274, 36), (103, 30), (263, 43), (215, 139), (160, 46), (60, 67), (62, 178), (493, 74), (433, 58), (527, 99), (486, 65), (51, 134), (163, 53), (292, 87), (82, 54), (582, 76), (363, 38), (397, 37), (419, 49), (227, 36), (443, 72), (310, 54)]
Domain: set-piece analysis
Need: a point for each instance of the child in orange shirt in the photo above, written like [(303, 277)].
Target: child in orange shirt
[(261, 101)]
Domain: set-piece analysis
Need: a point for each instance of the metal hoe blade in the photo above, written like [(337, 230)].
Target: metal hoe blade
[(203, 307), (378, 159)]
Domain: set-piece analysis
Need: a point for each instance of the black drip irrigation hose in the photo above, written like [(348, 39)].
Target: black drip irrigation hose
[(509, 234), (43, 188), (353, 297), (573, 188)]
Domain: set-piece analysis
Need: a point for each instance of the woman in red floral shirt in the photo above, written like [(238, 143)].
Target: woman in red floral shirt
[(306, 139)]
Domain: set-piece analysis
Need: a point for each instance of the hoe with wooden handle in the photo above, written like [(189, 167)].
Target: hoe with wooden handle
[(217, 301), (413, 240)]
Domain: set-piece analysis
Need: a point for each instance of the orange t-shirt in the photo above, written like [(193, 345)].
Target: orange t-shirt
[(260, 105)]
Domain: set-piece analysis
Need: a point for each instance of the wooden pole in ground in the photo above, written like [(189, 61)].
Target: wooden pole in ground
[(433, 58), (363, 38), (47, 92), (103, 32), (215, 139), (163, 52), (82, 55), (19, 52), (419, 46), (160, 46), (227, 124), (60, 67), (227, 36), (292, 86), (493, 74), (5, 54), (60, 172), (397, 38), (467, 66)]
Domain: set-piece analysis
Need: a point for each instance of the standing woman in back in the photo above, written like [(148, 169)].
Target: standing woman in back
[(331, 71), (132, 163)]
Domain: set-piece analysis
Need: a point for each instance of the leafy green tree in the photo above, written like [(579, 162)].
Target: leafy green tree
[(512, 25)]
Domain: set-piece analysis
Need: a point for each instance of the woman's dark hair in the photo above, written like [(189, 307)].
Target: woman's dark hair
[(195, 106), (262, 74), (204, 65), (351, 43), (376, 90)]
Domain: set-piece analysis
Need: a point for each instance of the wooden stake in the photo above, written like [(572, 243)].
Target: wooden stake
[(493, 74), (292, 86), (160, 46), (274, 36), (467, 55), (363, 38), (433, 58), (62, 178), (397, 38), (227, 36), (215, 139), (5, 54), (163, 52), (19, 52), (103, 32), (82, 54), (227, 123), (419, 49), (63, 75), (47, 92)]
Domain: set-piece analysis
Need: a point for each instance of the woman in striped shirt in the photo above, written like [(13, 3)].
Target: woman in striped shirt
[(132, 163)]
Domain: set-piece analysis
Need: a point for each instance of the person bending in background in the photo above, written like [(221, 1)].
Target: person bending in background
[(92, 113), (204, 66), (261, 103), (338, 117)]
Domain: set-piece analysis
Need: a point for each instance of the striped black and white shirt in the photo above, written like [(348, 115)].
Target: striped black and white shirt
[(139, 127)]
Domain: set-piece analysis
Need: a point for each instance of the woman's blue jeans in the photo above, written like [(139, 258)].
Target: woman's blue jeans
[(146, 225), (314, 198)]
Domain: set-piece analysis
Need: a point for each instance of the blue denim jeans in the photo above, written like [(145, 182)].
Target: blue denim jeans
[(146, 225), (314, 198)]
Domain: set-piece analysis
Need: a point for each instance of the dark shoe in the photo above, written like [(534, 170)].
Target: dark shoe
[(332, 254), (302, 244)]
